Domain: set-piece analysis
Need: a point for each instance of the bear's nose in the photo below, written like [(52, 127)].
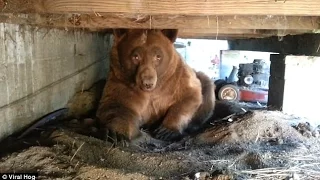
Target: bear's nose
[(147, 78), (148, 85)]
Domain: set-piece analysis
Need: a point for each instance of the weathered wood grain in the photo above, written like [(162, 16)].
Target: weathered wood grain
[(172, 7), (104, 21)]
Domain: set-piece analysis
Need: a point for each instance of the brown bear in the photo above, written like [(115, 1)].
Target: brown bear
[(150, 86)]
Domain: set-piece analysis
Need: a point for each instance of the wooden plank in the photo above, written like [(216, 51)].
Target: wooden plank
[(240, 32), (172, 7), (201, 22), (102, 21), (221, 37), (211, 36), (67, 21)]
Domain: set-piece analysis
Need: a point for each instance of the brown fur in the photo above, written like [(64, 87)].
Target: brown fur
[(150, 85)]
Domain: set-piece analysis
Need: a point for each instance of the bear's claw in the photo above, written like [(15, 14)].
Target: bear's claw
[(165, 134), (116, 138)]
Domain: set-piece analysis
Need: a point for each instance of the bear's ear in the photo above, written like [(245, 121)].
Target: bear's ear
[(171, 34), (118, 33)]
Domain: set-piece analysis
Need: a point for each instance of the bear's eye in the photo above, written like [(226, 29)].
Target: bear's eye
[(158, 57), (135, 57)]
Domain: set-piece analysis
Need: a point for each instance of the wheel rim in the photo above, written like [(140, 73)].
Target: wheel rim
[(229, 94)]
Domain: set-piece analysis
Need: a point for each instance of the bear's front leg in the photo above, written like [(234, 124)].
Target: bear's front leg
[(178, 117), (121, 123)]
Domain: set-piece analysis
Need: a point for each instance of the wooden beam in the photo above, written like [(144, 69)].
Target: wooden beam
[(221, 37), (170, 7), (238, 32), (102, 21), (67, 21), (211, 36)]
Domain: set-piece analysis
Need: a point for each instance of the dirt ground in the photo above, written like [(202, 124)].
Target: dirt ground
[(238, 143)]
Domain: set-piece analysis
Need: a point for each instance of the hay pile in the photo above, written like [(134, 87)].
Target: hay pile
[(251, 127), (252, 145)]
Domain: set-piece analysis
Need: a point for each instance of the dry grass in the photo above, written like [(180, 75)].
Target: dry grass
[(299, 167)]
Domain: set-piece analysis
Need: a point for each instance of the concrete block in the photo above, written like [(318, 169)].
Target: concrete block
[(302, 86), (41, 69)]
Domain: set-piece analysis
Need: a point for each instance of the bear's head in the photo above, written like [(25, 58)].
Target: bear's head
[(145, 56)]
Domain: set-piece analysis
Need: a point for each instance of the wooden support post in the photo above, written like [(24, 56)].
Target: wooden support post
[(276, 81)]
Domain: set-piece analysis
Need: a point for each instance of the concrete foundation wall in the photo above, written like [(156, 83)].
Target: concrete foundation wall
[(293, 86), (41, 69), (301, 87)]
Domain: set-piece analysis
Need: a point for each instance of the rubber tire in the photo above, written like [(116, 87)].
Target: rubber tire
[(219, 83), (229, 86)]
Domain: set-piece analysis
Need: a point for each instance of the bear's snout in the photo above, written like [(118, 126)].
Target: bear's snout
[(148, 83), (147, 79)]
